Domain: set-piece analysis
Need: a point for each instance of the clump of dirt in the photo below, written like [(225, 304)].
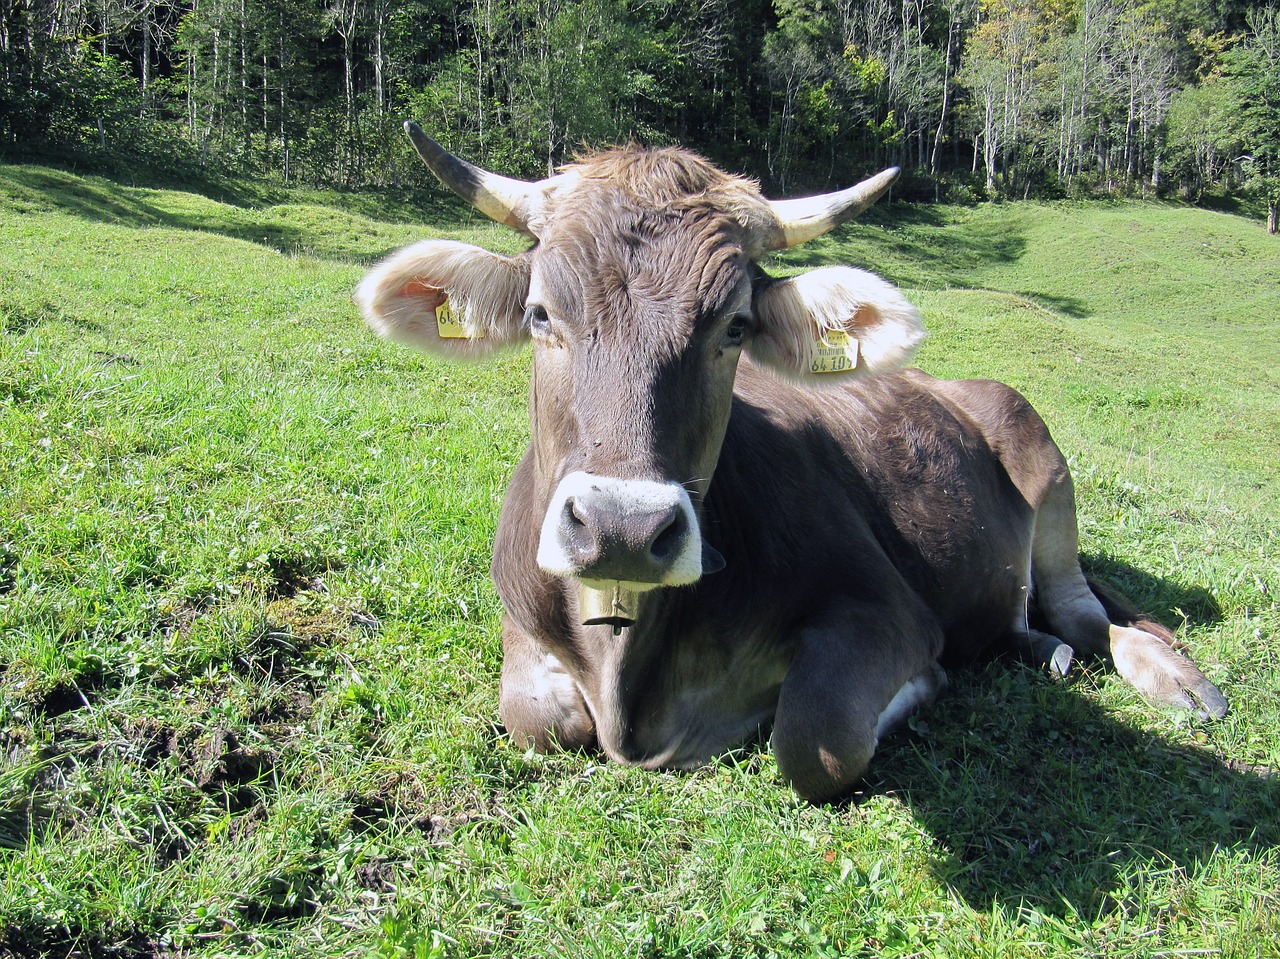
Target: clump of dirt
[(36, 694), (292, 636), (292, 574), (8, 568), (63, 698), (76, 943), (219, 759)]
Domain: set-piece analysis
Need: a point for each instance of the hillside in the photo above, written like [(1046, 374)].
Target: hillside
[(249, 650)]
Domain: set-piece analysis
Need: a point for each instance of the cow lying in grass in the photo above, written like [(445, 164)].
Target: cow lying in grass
[(735, 511)]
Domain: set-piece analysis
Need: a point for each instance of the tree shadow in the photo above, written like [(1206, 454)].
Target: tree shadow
[(924, 247), (18, 318), (917, 245), (240, 214), (1064, 305), (1033, 793), (105, 202)]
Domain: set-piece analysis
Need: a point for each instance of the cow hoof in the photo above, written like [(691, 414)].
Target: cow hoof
[(1045, 651), (1060, 661), (1210, 703), (1163, 674)]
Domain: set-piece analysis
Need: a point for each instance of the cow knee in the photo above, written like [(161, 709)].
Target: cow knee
[(544, 720), (822, 766), (539, 701)]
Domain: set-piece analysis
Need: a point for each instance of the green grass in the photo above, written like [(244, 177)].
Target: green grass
[(249, 649)]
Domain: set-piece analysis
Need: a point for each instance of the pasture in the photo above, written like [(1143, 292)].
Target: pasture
[(249, 649)]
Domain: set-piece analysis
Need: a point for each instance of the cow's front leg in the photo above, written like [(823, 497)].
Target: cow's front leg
[(850, 682), (539, 701)]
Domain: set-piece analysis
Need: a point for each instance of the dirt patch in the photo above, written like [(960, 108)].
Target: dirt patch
[(292, 574), (8, 568), (219, 759), (77, 944), (22, 686), (62, 699)]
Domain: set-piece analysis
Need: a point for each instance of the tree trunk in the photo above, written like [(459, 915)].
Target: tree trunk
[(946, 98), (146, 58), (380, 28)]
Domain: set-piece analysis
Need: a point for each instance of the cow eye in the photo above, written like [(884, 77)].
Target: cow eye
[(537, 320), (736, 330)]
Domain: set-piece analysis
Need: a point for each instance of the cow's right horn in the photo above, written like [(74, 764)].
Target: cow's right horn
[(514, 203), (808, 218)]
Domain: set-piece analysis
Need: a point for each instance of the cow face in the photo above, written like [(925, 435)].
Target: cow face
[(640, 298)]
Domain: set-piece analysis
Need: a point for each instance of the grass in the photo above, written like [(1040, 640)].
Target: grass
[(249, 650)]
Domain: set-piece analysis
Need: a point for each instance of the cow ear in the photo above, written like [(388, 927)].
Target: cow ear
[(448, 298), (833, 324)]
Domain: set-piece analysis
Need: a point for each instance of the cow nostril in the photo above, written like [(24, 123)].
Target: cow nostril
[(669, 539), (572, 515)]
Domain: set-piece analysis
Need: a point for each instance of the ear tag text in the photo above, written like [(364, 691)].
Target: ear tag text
[(449, 328), (835, 351)]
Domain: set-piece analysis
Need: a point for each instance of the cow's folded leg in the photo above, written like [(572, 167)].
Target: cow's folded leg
[(539, 701), (841, 694)]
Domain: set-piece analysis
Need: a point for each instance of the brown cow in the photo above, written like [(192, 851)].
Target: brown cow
[(719, 523)]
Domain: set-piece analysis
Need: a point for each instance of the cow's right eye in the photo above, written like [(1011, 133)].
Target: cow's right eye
[(735, 331), (537, 320)]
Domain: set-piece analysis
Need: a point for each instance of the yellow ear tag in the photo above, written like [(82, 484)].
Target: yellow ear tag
[(449, 328), (835, 351)]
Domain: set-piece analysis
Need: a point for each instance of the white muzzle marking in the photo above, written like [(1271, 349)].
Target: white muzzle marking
[(621, 499)]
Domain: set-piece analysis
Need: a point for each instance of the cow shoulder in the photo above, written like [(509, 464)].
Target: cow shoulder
[(886, 472)]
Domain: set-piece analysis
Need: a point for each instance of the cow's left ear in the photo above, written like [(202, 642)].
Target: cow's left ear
[(833, 324), (449, 298)]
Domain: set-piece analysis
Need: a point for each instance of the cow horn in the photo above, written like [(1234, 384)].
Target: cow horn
[(511, 202), (808, 218)]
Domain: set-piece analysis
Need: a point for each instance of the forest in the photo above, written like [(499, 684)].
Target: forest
[(975, 99)]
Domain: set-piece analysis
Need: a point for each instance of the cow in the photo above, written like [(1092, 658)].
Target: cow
[(737, 511)]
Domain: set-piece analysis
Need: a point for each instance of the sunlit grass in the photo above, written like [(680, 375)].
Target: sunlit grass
[(249, 647)]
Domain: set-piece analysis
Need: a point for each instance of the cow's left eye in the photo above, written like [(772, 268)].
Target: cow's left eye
[(735, 331)]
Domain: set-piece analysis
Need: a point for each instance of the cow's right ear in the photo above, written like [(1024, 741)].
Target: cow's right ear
[(448, 298)]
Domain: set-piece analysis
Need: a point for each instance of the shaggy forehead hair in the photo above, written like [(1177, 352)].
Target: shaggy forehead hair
[(674, 180), (649, 227)]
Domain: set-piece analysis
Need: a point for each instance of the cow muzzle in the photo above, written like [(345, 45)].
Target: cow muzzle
[(614, 533)]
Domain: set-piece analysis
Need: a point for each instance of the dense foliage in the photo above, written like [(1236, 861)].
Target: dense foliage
[(978, 97)]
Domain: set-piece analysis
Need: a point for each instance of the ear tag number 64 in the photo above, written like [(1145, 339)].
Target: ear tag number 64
[(835, 351), (448, 327)]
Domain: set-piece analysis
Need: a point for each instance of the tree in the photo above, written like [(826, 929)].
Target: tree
[(1202, 134), (1253, 70), (998, 71)]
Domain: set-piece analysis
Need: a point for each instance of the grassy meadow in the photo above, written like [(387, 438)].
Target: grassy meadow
[(249, 650)]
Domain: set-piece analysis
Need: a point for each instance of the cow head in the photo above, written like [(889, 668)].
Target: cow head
[(640, 296)]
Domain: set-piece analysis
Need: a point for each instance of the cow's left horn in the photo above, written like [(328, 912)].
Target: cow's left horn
[(512, 202), (808, 218)]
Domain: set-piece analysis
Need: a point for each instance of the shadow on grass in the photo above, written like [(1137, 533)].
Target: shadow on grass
[(1164, 600), (1036, 793), (1033, 793), (918, 245), (20, 318), (104, 201), (1064, 305)]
